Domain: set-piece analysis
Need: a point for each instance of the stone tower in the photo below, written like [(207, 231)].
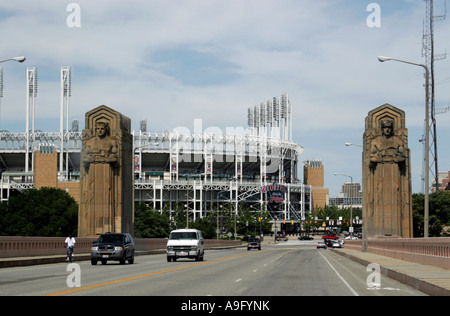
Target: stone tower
[(106, 188), (387, 209)]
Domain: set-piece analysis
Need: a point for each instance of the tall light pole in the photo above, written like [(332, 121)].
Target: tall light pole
[(65, 94), (364, 235), (20, 59), (427, 136), (351, 144), (30, 111), (351, 204), (1, 88)]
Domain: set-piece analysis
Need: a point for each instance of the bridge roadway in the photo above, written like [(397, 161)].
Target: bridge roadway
[(284, 269)]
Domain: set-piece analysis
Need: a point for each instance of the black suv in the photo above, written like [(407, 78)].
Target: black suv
[(113, 246)]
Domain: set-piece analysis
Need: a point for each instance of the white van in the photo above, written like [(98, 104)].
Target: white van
[(185, 243)]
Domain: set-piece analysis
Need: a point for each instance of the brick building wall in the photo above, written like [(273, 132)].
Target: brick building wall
[(313, 174), (46, 173), (45, 169)]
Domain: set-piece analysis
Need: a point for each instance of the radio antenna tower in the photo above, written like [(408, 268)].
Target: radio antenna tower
[(430, 58)]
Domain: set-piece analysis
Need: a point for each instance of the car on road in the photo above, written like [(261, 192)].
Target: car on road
[(281, 238), (321, 244), (330, 236), (305, 238), (338, 244), (185, 243), (113, 247), (253, 243)]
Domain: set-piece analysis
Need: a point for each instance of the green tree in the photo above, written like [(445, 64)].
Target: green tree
[(45, 212), (330, 211), (207, 225), (439, 213), (149, 223), (334, 213), (251, 219), (180, 218)]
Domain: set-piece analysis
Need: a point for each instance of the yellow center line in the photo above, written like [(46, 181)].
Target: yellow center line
[(137, 277)]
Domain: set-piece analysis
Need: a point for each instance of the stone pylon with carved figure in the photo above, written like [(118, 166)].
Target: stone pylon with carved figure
[(387, 197), (106, 187)]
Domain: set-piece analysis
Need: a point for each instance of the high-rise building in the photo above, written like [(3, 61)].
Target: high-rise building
[(443, 184), (313, 175)]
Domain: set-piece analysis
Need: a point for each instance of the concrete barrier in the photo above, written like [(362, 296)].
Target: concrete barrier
[(13, 247), (428, 251)]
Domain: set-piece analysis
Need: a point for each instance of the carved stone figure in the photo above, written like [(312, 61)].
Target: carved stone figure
[(101, 149), (387, 209), (106, 203)]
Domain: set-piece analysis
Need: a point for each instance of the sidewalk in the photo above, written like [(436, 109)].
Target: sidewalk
[(428, 279)]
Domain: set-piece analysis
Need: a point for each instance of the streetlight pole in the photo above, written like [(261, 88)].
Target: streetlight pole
[(351, 144), (19, 59), (427, 137), (351, 204)]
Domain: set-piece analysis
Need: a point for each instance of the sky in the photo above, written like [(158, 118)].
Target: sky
[(173, 61)]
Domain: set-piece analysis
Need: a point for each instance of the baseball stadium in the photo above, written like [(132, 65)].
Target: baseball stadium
[(199, 170)]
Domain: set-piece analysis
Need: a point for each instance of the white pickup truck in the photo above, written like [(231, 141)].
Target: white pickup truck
[(185, 243)]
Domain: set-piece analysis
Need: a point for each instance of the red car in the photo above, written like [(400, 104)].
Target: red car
[(331, 236)]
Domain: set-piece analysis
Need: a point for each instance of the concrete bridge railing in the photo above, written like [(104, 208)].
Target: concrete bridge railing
[(12, 247), (429, 251)]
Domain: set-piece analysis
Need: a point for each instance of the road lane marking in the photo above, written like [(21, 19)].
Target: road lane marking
[(337, 273), (137, 277), (238, 280)]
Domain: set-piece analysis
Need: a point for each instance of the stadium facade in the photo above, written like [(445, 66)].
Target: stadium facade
[(199, 170)]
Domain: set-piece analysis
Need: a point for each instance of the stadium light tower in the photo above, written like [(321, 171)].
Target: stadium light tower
[(66, 93), (1, 88), (30, 110)]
